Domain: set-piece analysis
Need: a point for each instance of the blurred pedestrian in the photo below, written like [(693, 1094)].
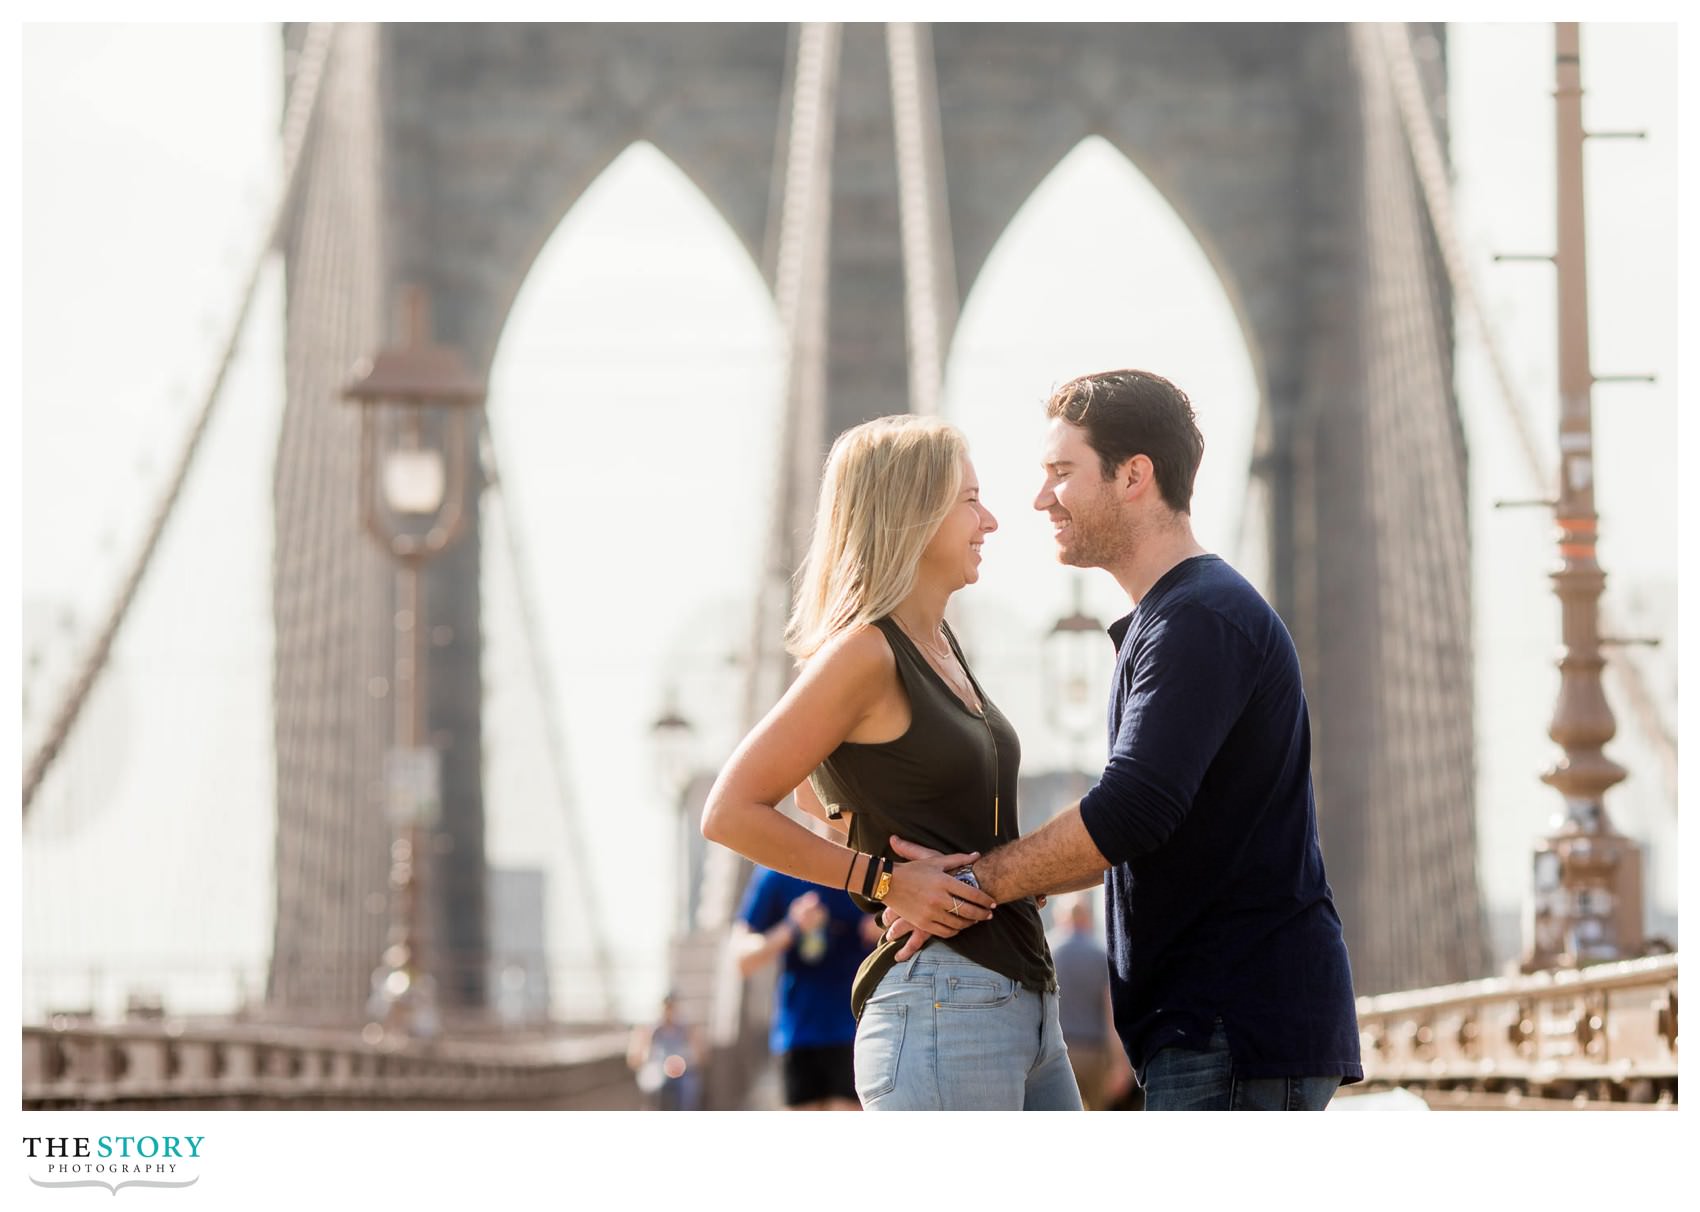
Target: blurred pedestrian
[(1083, 1002), (667, 1060), (819, 937)]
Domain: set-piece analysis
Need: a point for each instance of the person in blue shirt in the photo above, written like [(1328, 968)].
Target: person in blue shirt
[(1228, 969), (821, 938)]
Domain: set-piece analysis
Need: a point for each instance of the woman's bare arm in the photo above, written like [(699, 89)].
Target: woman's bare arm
[(835, 693)]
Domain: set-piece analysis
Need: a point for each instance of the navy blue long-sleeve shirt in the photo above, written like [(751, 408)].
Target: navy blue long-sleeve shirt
[(1218, 905)]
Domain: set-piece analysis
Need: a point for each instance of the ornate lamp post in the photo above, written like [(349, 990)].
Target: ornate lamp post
[(413, 470), (674, 741), (1587, 904), (1072, 657)]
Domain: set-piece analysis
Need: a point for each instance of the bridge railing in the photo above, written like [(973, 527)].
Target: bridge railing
[(1605, 1033), (80, 1065)]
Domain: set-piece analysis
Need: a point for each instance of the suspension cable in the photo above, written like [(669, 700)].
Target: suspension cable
[(798, 235), (578, 853), (298, 119), (929, 273)]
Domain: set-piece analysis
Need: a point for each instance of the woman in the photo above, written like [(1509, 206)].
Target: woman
[(886, 718)]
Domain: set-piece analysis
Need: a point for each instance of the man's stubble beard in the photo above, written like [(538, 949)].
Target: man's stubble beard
[(1104, 540)]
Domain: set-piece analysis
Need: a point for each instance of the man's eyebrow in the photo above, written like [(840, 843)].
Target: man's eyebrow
[(1057, 463)]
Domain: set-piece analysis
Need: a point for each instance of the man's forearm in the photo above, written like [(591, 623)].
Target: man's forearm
[(1060, 857)]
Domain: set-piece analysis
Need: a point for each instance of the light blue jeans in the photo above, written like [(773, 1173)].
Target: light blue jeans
[(942, 1033)]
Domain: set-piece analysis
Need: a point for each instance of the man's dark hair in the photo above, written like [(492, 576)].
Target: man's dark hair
[(1130, 412)]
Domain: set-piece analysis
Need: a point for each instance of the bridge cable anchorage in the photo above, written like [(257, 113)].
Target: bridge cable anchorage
[(552, 724), (929, 271), (298, 119), (1424, 142)]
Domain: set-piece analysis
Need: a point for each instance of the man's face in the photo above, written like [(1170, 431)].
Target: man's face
[(1088, 513)]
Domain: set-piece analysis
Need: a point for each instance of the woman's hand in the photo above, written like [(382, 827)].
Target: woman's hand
[(926, 897), (896, 927)]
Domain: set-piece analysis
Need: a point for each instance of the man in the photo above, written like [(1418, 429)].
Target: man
[(1228, 970), (823, 938), (1083, 996)]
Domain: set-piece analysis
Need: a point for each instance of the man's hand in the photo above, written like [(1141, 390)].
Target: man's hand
[(923, 893), (898, 926)]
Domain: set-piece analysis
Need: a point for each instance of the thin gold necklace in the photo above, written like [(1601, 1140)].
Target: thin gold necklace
[(945, 655), (945, 665)]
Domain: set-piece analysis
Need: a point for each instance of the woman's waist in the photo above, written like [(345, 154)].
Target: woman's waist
[(872, 832), (1011, 944)]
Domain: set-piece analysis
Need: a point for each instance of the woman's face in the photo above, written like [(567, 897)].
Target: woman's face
[(953, 555)]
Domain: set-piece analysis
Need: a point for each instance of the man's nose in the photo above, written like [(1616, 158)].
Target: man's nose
[(1045, 499)]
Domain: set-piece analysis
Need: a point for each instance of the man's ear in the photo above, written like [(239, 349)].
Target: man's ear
[(1136, 475)]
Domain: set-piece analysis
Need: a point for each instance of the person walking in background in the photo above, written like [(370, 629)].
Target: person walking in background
[(820, 938), (1083, 1002), (667, 1060), (1229, 975)]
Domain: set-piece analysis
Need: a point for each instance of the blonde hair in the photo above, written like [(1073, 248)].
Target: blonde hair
[(887, 486)]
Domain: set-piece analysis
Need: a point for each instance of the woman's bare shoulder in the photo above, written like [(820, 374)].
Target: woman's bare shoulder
[(859, 654)]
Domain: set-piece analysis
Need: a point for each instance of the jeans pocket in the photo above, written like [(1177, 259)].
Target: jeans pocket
[(982, 991), (879, 1048)]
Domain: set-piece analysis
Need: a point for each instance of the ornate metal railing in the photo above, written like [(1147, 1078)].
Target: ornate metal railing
[(1605, 1034), (164, 1064)]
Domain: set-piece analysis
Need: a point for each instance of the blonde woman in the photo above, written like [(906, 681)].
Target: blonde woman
[(886, 718)]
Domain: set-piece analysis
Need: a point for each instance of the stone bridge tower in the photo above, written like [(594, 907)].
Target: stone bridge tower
[(446, 155)]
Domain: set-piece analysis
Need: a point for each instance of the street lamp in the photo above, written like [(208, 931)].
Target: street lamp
[(1071, 657), (1588, 901), (674, 740), (413, 401)]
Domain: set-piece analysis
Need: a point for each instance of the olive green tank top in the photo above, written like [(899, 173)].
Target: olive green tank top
[(949, 782)]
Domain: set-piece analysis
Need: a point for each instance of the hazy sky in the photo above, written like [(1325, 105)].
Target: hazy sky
[(141, 203)]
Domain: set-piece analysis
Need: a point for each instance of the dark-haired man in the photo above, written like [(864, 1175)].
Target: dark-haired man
[(1228, 969)]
